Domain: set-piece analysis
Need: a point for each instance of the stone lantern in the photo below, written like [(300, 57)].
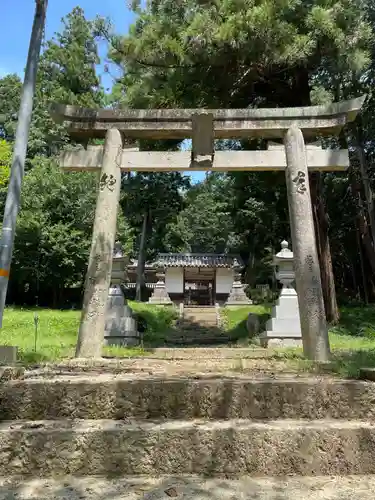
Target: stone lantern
[(284, 328), (237, 295), (160, 294), (119, 265), (121, 327)]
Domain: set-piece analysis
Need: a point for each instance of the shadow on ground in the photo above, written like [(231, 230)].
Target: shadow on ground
[(357, 322), (161, 330), (193, 334), (349, 363)]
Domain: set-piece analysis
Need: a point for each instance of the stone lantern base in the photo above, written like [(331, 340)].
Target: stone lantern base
[(237, 295), (120, 326), (160, 295), (284, 328)]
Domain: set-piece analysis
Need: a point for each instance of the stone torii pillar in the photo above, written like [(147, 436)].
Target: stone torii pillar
[(292, 125), (306, 260), (98, 277)]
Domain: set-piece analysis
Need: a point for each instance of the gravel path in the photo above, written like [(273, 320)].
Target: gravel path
[(145, 367)]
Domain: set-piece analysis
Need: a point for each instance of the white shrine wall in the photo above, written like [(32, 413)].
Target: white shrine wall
[(224, 280), (174, 280)]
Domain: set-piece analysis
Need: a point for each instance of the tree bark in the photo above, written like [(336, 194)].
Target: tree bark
[(324, 250), (141, 261), (363, 275), (358, 142), (363, 226)]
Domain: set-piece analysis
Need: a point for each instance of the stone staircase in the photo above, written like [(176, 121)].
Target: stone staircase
[(198, 326), (142, 434)]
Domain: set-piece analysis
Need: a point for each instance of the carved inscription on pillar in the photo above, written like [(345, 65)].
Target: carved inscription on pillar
[(107, 181), (300, 182), (309, 263)]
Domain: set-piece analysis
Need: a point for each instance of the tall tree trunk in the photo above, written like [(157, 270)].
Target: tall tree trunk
[(363, 225), (324, 250), (141, 261), (301, 89), (365, 222), (357, 134), (363, 275)]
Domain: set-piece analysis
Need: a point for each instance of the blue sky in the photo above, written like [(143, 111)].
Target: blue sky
[(16, 23), (17, 17)]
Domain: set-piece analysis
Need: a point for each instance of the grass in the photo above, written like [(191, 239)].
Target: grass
[(352, 341), (355, 331), (56, 335), (235, 319), (159, 320)]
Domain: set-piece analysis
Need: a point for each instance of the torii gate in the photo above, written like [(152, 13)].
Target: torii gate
[(293, 125)]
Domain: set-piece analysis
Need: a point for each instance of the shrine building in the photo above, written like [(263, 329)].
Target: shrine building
[(192, 278)]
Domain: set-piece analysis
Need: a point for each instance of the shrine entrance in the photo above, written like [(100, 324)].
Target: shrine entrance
[(199, 287), (296, 152)]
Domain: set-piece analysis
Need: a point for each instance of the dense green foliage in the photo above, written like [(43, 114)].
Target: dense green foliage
[(55, 223), (267, 53), (213, 54)]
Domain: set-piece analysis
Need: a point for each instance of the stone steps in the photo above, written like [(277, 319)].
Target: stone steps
[(189, 488), (186, 339), (211, 448), (199, 321), (199, 326), (141, 396), (202, 335), (193, 325), (209, 353), (199, 309), (147, 419)]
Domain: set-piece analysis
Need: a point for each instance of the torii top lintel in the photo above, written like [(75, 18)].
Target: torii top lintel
[(225, 123)]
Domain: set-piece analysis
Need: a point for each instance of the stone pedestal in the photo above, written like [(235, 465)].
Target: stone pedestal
[(120, 326), (160, 295), (8, 354), (237, 296), (284, 328)]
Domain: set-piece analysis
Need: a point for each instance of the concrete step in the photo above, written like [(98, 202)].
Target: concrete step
[(201, 314), (143, 397), (189, 488), (195, 324), (200, 309), (207, 331), (199, 319), (196, 340), (203, 335), (203, 319), (234, 447), (200, 335), (209, 353)]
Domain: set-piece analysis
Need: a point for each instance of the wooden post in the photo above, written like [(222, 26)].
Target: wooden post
[(98, 278)]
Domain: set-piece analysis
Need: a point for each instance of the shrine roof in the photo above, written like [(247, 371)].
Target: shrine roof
[(198, 260)]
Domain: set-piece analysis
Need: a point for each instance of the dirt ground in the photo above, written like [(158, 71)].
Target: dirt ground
[(190, 488)]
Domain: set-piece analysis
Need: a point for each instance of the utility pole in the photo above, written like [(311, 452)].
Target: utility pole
[(13, 199)]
